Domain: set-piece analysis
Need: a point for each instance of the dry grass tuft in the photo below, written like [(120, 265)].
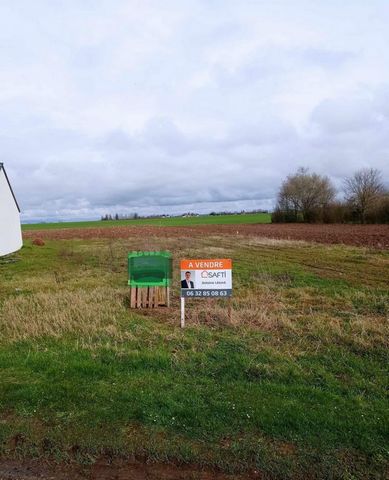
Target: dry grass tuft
[(275, 242), (86, 313), (260, 307), (310, 319)]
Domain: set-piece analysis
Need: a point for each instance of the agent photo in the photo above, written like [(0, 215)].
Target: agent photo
[(187, 282)]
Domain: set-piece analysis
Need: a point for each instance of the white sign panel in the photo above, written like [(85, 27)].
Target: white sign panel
[(206, 278)]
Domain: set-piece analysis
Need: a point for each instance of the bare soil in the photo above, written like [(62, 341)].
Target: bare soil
[(372, 236), (107, 470)]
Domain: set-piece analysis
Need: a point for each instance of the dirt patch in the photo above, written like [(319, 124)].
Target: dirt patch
[(38, 242), (106, 470), (372, 236)]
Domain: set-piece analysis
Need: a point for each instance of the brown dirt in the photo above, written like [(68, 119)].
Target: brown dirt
[(106, 470), (38, 242), (372, 236)]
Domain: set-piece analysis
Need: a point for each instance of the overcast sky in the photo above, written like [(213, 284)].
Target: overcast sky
[(176, 105)]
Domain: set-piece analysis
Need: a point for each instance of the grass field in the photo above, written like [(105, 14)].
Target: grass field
[(163, 222), (293, 385)]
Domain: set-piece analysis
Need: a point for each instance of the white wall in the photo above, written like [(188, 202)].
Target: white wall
[(10, 230)]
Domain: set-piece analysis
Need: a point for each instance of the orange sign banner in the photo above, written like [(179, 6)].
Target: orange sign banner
[(207, 264)]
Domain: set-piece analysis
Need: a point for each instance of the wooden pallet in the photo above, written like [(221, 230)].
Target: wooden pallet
[(149, 297)]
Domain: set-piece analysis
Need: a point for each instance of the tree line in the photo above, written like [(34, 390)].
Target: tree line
[(309, 197), (119, 217)]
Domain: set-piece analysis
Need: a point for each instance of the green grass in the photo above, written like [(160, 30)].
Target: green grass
[(160, 222), (294, 384)]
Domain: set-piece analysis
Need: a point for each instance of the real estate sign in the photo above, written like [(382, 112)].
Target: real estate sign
[(210, 278)]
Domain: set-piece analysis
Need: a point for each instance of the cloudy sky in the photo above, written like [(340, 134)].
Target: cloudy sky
[(168, 106)]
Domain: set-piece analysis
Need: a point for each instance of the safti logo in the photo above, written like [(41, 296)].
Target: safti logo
[(213, 274)]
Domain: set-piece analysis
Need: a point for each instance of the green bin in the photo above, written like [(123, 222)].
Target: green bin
[(149, 269)]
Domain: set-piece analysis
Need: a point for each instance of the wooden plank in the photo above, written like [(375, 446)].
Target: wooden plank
[(137, 298), (141, 294), (154, 304), (149, 297), (161, 296), (144, 297), (157, 296), (151, 300), (167, 299), (133, 297)]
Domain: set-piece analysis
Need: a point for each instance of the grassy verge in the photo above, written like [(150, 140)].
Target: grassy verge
[(294, 384), (160, 222)]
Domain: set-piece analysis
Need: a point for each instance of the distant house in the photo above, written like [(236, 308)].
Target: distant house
[(10, 229)]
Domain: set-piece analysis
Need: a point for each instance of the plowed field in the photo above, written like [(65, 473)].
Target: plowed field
[(373, 236)]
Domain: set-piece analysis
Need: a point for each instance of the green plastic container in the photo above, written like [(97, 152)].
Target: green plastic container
[(149, 269)]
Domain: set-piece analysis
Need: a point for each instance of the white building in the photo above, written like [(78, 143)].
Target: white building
[(10, 229)]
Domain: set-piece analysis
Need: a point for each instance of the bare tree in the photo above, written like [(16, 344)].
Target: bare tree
[(304, 194), (363, 190)]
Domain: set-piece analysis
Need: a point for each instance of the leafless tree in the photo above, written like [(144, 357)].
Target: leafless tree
[(304, 194), (363, 190)]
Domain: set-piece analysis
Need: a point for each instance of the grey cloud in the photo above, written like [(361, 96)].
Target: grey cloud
[(270, 62), (107, 106), (325, 58), (162, 132), (341, 115)]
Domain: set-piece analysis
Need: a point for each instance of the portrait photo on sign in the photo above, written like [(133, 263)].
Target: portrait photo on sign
[(188, 279)]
